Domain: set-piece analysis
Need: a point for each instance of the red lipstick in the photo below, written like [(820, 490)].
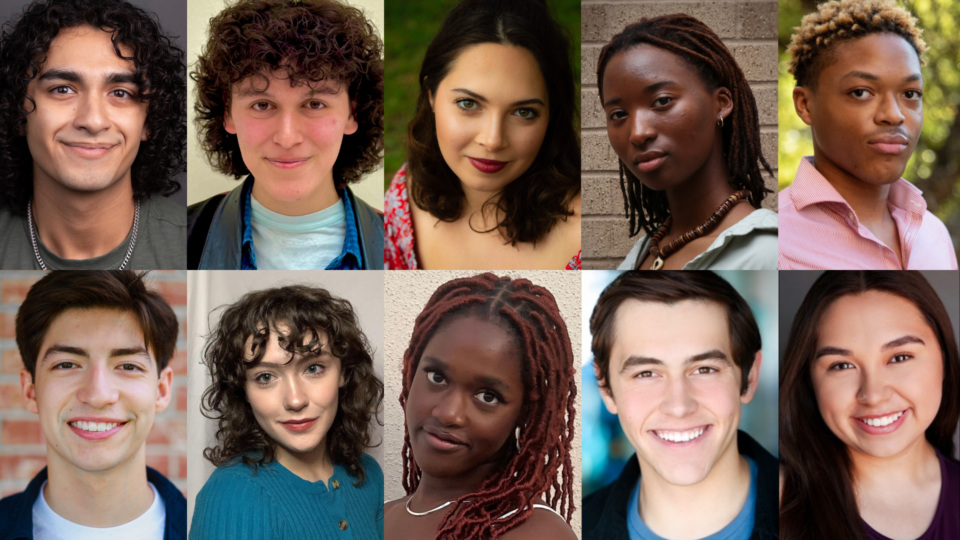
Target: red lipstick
[(488, 166), (298, 426)]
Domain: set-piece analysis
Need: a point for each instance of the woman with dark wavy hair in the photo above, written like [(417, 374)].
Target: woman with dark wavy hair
[(869, 402), (492, 178), (294, 395), (290, 95)]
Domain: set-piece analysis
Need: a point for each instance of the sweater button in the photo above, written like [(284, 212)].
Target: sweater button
[(343, 524), (335, 484)]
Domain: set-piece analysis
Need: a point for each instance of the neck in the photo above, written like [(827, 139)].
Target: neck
[(98, 499), (696, 199), (82, 225), (913, 466), (434, 491), (322, 197), (666, 508), (868, 201), (481, 218), (311, 466)]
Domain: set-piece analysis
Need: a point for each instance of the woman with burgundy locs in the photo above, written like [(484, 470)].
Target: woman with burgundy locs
[(488, 394), (683, 121)]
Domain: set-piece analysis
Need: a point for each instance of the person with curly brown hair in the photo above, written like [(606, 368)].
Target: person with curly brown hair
[(294, 394), (290, 95), (860, 89), (92, 137)]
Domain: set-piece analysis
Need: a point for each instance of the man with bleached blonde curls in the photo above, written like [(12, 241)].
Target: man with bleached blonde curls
[(860, 89)]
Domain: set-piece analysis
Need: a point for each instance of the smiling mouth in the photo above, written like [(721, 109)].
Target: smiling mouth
[(91, 151), (95, 431), (287, 163), (879, 425), (299, 425), (488, 166), (680, 437)]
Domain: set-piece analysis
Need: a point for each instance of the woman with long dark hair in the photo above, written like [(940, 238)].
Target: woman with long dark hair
[(492, 178), (869, 406), (683, 122)]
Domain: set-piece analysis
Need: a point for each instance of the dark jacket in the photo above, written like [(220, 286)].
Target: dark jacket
[(16, 511), (221, 247), (605, 511)]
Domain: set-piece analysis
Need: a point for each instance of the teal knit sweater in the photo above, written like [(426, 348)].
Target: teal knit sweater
[(275, 504)]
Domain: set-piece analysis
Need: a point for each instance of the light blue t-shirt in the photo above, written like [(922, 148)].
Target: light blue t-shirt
[(307, 242), (739, 529)]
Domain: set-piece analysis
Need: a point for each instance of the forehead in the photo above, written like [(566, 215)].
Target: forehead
[(94, 329), (669, 332), (868, 320), (87, 50), (646, 64), (476, 347), (279, 84), (273, 352), (885, 55), (497, 72)]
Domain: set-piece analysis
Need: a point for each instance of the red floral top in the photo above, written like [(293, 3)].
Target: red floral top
[(398, 249)]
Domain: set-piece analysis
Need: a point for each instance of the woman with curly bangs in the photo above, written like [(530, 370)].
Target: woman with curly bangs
[(683, 122), (290, 95), (294, 394), (492, 178), (869, 407), (488, 394)]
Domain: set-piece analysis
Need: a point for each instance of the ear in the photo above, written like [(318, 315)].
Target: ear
[(28, 391), (432, 99), (753, 379), (228, 122), (164, 389), (352, 124), (343, 379), (606, 394), (802, 98), (145, 135), (724, 102)]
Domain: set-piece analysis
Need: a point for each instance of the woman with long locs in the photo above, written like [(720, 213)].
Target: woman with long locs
[(868, 412), (488, 393)]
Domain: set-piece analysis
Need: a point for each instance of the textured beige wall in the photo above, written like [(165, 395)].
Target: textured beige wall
[(405, 294), (202, 181), (748, 28)]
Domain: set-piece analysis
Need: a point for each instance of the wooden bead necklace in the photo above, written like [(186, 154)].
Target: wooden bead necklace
[(661, 254)]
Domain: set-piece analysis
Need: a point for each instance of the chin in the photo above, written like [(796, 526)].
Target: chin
[(684, 474)]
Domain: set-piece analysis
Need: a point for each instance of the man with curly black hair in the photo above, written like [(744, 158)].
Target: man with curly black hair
[(290, 95), (92, 134), (860, 89)]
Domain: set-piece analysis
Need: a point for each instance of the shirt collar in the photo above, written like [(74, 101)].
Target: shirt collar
[(810, 187), (349, 257)]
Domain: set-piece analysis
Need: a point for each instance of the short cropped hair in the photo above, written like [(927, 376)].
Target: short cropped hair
[(812, 45), (121, 290), (312, 41), (670, 288), (307, 313), (160, 73)]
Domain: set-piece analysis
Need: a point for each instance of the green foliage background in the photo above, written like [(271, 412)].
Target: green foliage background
[(935, 165), (410, 26)]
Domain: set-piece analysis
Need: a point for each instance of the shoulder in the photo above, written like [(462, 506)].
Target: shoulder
[(10, 508), (594, 505), (373, 472), (631, 259), (232, 481), (395, 199), (541, 524), (168, 211), (233, 501)]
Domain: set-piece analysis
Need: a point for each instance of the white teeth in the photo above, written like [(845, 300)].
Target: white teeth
[(680, 436), (884, 421), (94, 426)]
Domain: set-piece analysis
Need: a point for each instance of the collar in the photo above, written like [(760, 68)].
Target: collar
[(811, 187), (349, 257)]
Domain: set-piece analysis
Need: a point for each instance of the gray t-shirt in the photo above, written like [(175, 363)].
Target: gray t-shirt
[(161, 242)]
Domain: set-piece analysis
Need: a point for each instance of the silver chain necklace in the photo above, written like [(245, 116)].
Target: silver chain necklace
[(133, 236), (419, 514)]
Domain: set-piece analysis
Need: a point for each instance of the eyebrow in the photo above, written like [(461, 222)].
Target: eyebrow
[(899, 342), (871, 77), (714, 354), (117, 77), (324, 353), (478, 97), (249, 90), (648, 88), (484, 380), (77, 351)]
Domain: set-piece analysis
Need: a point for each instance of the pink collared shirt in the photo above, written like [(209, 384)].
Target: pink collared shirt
[(819, 230)]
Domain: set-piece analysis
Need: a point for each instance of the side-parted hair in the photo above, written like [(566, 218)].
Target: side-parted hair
[(815, 463), (670, 288), (703, 50), (306, 314), (546, 423), (812, 45), (121, 290), (310, 41), (160, 73), (539, 198)]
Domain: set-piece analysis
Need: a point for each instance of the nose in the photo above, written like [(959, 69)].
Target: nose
[(874, 388), (491, 135), (888, 111), (98, 391), (678, 402), (641, 130), (294, 398), (451, 410), (288, 133), (92, 115)]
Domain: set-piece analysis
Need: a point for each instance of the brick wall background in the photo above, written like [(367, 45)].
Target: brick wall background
[(22, 446), (747, 27)]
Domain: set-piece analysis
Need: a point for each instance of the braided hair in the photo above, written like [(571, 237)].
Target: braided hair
[(702, 49), (546, 424)]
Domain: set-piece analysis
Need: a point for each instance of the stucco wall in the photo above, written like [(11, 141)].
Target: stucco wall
[(405, 294)]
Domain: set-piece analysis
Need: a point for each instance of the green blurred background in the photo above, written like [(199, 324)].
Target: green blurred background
[(410, 26), (935, 165)]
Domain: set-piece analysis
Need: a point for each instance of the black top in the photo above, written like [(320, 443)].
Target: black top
[(605, 510)]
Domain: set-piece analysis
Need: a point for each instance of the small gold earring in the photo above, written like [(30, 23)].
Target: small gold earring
[(720, 122)]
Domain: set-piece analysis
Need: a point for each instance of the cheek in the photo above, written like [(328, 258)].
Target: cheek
[(453, 131), (251, 133), (528, 139), (323, 131), (262, 402), (834, 396)]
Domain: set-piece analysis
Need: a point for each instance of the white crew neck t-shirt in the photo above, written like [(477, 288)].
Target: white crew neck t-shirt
[(49, 525), (309, 242)]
